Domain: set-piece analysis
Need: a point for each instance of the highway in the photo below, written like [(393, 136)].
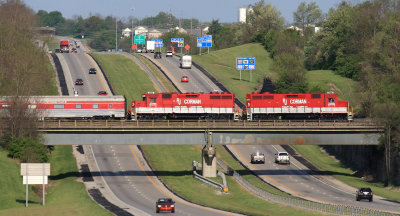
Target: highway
[(123, 168), (295, 178)]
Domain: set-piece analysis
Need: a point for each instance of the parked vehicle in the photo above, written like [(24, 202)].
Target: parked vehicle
[(282, 157), (185, 61), (364, 193), (165, 204), (257, 157)]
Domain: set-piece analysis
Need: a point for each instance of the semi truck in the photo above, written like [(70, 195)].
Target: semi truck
[(150, 45), (64, 46)]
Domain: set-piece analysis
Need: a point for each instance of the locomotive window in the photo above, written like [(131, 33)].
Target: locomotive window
[(315, 96), (191, 96), (227, 97), (292, 96), (331, 100), (95, 106), (110, 106), (166, 96), (257, 97), (58, 106), (153, 100), (78, 106), (32, 106), (215, 97), (268, 97), (5, 105)]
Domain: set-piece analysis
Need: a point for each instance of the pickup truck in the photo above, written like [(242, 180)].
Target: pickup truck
[(257, 157), (282, 157)]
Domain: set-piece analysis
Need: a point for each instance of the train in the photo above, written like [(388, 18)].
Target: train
[(193, 106)]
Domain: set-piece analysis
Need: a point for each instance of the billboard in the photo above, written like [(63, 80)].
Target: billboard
[(205, 41), (245, 63)]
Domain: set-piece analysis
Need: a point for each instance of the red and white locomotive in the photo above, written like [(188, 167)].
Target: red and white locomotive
[(303, 105), (185, 106), (72, 107)]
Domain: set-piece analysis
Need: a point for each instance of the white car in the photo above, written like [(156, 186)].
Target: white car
[(138, 50), (282, 157), (169, 54)]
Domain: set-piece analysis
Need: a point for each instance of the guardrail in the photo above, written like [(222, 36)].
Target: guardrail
[(223, 187), (326, 208), (201, 124)]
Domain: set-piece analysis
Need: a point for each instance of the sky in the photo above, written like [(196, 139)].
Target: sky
[(225, 11)]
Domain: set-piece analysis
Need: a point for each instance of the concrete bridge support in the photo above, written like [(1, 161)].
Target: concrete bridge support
[(209, 159)]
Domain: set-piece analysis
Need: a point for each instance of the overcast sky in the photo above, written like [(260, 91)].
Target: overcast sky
[(204, 10)]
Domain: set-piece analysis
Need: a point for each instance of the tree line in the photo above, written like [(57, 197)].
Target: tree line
[(24, 71)]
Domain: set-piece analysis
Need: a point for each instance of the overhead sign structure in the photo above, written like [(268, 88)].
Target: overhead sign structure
[(140, 39), (180, 41), (158, 43), (245, 63), (205, 41)]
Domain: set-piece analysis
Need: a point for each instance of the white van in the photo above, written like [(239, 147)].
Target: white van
[(186, 61)]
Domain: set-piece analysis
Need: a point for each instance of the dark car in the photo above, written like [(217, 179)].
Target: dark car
[(157, 55), (92, 71), (102, 93), (364, 193), (57, 50), (165, 204), (79, 82)]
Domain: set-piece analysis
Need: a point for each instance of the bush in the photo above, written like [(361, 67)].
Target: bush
[(28, 150)]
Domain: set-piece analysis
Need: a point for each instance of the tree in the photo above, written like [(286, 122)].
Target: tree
[(307, 15), (215, 28), (263, 17), (291, 73), (51, 19)]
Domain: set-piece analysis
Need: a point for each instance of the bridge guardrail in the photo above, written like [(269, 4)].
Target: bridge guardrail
[(223, 187), (116, 124)]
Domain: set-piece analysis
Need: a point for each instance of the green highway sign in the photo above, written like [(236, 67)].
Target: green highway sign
[(140, 39)]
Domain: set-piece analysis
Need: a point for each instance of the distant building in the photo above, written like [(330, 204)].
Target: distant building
[(154, 34), (242, 15), (126, 32), (140, 30)]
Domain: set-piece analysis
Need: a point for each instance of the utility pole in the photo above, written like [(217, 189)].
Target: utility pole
[(132, 9), (116, 36)]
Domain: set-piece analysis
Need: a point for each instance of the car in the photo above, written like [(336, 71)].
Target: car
[(92, 71), (169, 54), (257, 157), (102, 93), (57, 50), (144, 50), (74, 50), (79, 81), (282, 157), (185, 79), (139, 50), (157, 55), (165, 205), (364, 193)]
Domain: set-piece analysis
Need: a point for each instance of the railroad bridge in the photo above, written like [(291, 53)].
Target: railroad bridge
[(185, 132)]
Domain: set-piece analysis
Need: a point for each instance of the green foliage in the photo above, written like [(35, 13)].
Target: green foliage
[(270, 41), (103, 40), (51, 19), (215, 27), (307, 14), (291, 74), (28, 150)]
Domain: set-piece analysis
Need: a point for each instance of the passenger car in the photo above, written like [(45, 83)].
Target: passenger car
[(79, 82), (169, 54), (139, 50), (364, 193), (257, 157), (57, 50), (282, 157), (92, 71), (74, 50), (157, 55), (165, 204), (185, 79), (103, 93)]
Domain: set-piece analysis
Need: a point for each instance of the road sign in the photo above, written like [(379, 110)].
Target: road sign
[(245, 63), (158, 43), (180, 41), (205, 41), (140, 39), (134, 47), (187, 47)]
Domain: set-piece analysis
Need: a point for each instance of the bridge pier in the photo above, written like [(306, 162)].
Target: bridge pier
[(208, 158)]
